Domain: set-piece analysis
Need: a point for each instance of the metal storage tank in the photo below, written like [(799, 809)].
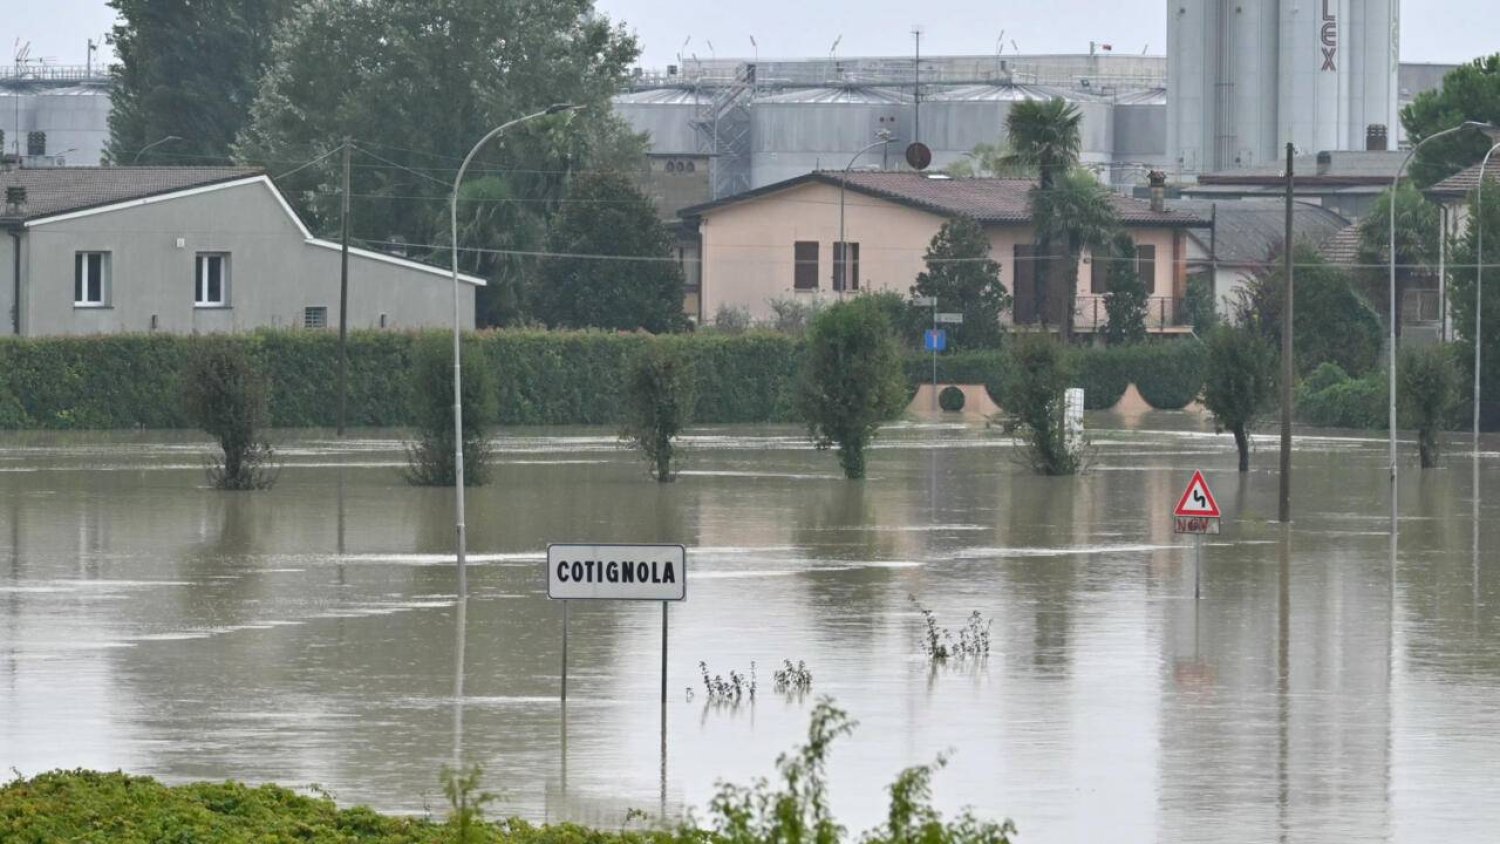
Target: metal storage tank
[(956, 119), (76, 121), (666, 114), (798, 131), (1140, 130)]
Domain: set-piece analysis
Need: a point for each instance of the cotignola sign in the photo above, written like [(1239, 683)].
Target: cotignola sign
[(617, 572)]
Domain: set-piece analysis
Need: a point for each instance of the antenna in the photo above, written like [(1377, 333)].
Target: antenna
[(834, 49), (1000, 43)]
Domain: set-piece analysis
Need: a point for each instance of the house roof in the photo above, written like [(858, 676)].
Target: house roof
[(1342, 167), (1250, 231), (996, 201), (60, 190), (1342, 249), (1464, 182)]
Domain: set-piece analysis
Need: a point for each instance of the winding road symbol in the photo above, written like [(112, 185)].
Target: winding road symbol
[(1197, 500)]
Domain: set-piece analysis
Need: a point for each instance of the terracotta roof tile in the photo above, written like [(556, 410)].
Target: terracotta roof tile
[(1464, 181)]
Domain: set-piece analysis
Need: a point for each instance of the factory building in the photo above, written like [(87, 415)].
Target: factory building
[(54, 116)]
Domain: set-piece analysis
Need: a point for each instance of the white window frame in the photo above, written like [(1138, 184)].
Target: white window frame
[(200, 280), (307, 313), (81, 298)]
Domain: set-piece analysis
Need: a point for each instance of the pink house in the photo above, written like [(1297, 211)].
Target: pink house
[(782, 241)]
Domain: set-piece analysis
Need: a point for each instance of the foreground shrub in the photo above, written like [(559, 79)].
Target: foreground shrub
[(430, 460), (658, 405), (1043, 372), (1427, 395), (851, 380), (225, 396)]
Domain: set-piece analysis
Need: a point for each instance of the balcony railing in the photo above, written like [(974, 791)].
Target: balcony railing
[(1164, 314)]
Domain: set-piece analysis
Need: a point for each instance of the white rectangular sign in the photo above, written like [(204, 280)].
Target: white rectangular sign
[(953, 318), (617, 572)]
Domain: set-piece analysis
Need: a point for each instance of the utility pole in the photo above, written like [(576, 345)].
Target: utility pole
[(1284, 510), (344, 298), (916, 89)]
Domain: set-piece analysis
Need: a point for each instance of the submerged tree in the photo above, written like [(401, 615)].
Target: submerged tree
[(659, 395), (430, 460), (1427, 382), (225, 395), (963, 277), (1035, 399), (851, 380), (1240, 388)]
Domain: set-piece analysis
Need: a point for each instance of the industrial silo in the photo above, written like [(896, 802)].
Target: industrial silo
[(76, 121), (665, 114), (801, 130)]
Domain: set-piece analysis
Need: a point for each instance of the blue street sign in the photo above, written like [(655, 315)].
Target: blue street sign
[(934, 340)]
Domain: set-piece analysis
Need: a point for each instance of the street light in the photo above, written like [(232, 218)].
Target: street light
[(1478, 305), (458, 413), (1394, 315), (139, 152), (885, 138)]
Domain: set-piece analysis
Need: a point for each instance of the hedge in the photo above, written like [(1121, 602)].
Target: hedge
[(544, 378)]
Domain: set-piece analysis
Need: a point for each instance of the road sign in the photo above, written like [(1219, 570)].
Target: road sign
[(1195, 524), (617, 572), (924, 301), (953, 318), (934, 340), (1197, 500)]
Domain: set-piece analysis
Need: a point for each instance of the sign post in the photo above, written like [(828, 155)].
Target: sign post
[(1197, 513), (934, 340), (616, 573)]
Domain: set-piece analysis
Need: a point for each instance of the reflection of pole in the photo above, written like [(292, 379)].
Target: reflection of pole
[(1284, 675), (458, 684), (1284, 505), (565, 654)]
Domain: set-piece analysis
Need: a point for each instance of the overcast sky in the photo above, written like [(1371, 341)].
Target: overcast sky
[(1461, 30)]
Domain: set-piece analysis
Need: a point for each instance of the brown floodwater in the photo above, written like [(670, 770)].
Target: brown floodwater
[(1321, 690)]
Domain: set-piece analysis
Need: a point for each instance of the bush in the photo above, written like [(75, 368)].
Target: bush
[(1200, 303), (1125, 303), (732, 319), (1043, 373), (1427, 395), (1241, 382), (225, 396), (1331, 399), (430, 460), (1169, 374), (964, 278), (851, 380), (658, 405), (951, 399)]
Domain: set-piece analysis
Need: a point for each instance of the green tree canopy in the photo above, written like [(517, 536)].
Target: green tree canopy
[(1335, 323), (604, 214), (851, 380), (963, 277), (187, 68), (1241, 385), (1462, 283), (1417, 235), (1044, 137), (415, 83), (1469, 92), (1125, 303), (1075, 213)]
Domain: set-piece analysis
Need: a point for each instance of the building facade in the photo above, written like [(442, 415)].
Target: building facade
[(191, 250)]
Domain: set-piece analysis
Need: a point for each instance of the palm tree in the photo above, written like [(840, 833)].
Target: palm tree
[(1043, 135), (1075, 213)]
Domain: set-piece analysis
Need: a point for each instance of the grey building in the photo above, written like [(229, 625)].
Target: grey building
[(188, 250)]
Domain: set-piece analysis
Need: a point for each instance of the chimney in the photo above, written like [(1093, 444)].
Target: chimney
[(1376, 138), (1158, 180), (1325, 162), (15, 199)]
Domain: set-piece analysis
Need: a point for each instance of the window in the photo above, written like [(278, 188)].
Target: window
[(1145, 266), (806, 275), (212, 288), (1099, 273), (838, 265), (91, 279), (1024, 307), (315, 317)]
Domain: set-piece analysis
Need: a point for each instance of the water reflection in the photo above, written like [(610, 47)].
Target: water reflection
[(1322, 689)]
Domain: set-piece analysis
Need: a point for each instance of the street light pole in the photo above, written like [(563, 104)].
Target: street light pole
[(842, 245), (1394, 315), (142, 150), (458, 414), (1478, 218)]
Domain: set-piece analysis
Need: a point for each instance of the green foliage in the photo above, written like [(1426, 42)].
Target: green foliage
[(1200, 302), (606, 214), (938, 644), (963, 277), (850, 381), (350, 68), (1075, 213), (1335, 323), (907, 320), (658, 404), (430, 459), (1417, 234), (1469, 92), (225, 396), (164, 84), (1125, 303), (465, 801), (951, 399), (1329, 398), (1427, 395), (1169, 374), (1044, 138), (989, 161), (1240, 384), (1463, 281), (793, 316), (732, 319), (1043, 372)]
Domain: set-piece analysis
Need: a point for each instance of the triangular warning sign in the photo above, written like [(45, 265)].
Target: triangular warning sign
[(1197, 500)]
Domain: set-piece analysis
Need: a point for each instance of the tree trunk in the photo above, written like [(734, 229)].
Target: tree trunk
[(1041, 275), (1428, 447), (852, 458), (1242, 442)]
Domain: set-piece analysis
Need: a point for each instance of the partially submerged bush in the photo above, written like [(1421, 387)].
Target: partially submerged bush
[(1427, 395), (1035, 401), (659, 395), (226, 396), (429, 460), (939, 645), (792, 679), (1241, 385), (851, 380), (737, 689)]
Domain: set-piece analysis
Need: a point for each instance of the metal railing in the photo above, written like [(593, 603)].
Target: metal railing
[(1418, 306), (1163, 313), (54, 73)]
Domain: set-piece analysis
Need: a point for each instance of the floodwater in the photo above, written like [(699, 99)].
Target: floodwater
[(1321, 690)]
